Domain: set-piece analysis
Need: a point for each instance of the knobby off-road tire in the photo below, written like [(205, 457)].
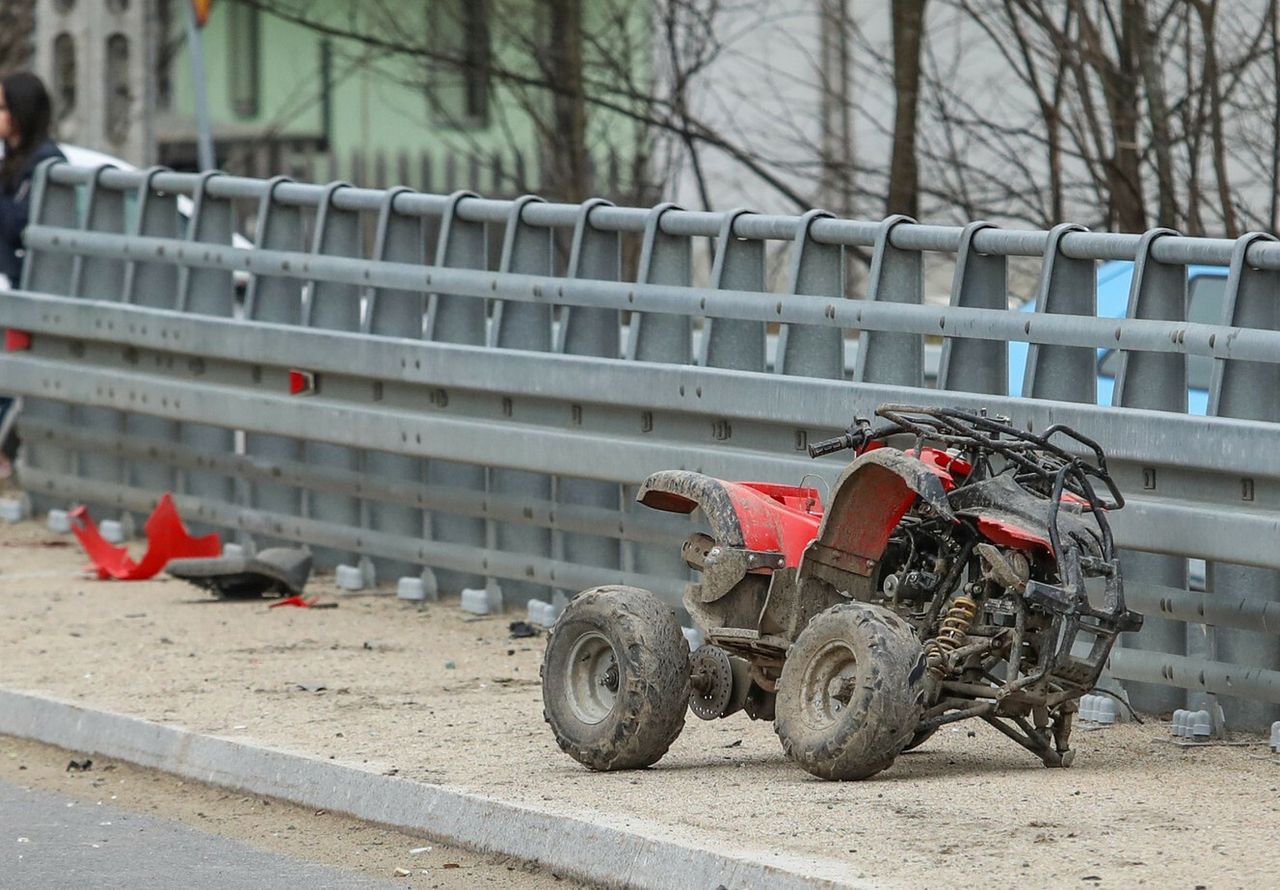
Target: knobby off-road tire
[(851, 692), (615, 678)]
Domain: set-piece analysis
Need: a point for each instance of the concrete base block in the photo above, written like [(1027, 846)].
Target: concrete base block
[(542, 614), (15, 509), (59, 522), (1099, 709), (349, 577), (411, 589), (1196, 725), (112, 531), (483, 601), (476, 601)]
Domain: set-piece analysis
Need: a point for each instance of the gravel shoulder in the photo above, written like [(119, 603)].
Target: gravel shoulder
[(440, 697)]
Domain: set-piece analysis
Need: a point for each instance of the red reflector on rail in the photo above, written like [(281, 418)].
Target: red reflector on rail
[(16, 341), (301, 383)]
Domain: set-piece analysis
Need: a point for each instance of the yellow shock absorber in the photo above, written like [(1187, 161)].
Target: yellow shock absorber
[(955, 626)]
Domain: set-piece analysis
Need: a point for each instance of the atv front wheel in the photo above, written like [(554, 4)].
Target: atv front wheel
[(851, 692), (615, 678)]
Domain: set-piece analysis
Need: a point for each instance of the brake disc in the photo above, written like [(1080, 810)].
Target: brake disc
[(711, 682)]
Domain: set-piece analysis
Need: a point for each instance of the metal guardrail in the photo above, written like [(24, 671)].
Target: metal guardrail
[(488, 417)]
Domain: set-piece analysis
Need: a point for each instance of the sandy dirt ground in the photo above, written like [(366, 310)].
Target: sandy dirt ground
[(441, 697), (316, 835)]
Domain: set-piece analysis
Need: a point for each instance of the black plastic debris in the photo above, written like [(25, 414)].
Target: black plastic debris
[(79, 766), (522, 629), (277, 570)]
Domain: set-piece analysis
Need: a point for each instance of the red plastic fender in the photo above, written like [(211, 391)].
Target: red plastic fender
[(760, 516), (1008, 534), (871, 497)]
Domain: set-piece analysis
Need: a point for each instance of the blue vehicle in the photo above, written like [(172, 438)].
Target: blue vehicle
[(1206, 290)]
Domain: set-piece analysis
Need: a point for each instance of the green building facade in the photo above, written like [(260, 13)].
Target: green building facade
[(438, 95)]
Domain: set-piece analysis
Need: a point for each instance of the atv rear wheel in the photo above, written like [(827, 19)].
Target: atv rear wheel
[(615, 678), (851, 692)]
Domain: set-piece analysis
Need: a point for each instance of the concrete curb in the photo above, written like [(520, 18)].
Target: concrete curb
[(615, 856)]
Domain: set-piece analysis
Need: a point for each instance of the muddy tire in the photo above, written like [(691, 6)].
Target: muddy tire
[(615, 678), (851, 692)]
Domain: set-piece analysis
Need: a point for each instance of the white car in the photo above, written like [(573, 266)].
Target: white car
[(88, 157)]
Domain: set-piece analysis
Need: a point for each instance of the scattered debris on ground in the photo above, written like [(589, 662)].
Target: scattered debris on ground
[(427, 700)]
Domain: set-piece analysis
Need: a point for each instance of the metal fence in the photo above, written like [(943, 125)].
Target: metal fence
[(491, 384)]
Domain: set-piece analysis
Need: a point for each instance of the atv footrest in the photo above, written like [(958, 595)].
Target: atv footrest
[(749, 643)]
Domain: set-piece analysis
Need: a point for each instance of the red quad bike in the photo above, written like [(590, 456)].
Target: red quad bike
[(946, 580)]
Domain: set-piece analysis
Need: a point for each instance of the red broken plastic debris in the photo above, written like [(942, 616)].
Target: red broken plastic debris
[(167, 538), (295, 601)]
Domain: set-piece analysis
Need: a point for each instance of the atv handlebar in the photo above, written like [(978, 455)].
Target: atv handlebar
[(854, 438), (849, 439)]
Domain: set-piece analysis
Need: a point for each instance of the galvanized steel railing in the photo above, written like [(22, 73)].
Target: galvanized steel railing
[(491, 386)]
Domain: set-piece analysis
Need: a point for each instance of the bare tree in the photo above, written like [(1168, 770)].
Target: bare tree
[(1117, 113), (599, 90), (834, 71), (908, 35), (1120, 114)]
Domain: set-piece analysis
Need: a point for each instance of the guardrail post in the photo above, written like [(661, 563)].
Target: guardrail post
[(275, 299), (207, 292), (52, 204), (399, 238), (1067, 286), (336, 307), (664, 259), (98, 278), (739, 265), (1158, 381), (593, 254), (896, 277), (816, 269), (457, 319), (517, 324), (658, 337), (981, 281), (1249, 390), (154, 285)]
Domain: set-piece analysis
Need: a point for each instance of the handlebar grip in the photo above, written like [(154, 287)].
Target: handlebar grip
[(831, 446)]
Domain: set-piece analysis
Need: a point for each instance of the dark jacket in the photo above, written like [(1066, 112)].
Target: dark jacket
[(15, 205)]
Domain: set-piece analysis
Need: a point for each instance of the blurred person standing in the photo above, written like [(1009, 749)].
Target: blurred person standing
[(25, 114)]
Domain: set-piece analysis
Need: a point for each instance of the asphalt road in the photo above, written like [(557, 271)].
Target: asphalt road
[(50, 840)]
